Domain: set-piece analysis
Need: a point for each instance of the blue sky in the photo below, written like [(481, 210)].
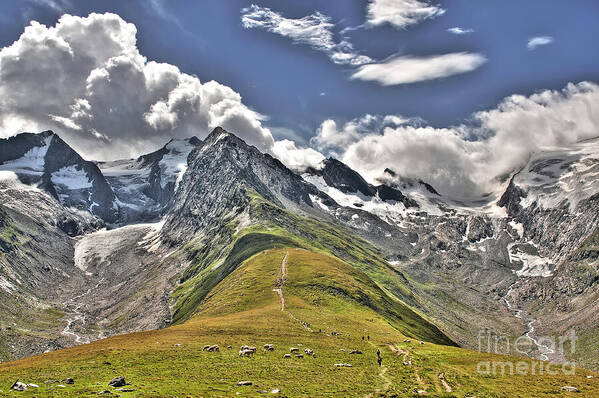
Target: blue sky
[(298, 87), (285, 80)]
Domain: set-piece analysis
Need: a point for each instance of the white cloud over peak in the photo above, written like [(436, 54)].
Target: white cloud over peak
[(334, 138), (296, 158), (406, 69), (539, 41), (460, 31), (315, 30), (464, 161), (86, 79), (401, 13)]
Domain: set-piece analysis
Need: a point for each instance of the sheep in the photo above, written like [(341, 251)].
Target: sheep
[(246, 353), (269, 347), (308, 351), (213, 348), (247, 347), (293, 349)]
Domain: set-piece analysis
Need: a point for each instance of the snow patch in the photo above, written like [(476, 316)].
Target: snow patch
[(32, 162), (319, 202), (532, 265), (174, 163), (71, 178), (561, 175)]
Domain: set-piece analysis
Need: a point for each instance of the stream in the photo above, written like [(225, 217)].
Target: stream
[(544, 351)]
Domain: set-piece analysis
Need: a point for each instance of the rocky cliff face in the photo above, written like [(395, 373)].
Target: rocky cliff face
[(145, 186), (47, 161), (339, 176), (223, 174)]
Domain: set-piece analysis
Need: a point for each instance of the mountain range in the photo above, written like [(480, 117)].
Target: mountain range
[(190, 233)]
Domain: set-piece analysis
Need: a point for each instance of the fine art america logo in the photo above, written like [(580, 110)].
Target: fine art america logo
[(544, 347)]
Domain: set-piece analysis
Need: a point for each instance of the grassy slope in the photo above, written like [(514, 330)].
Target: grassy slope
[(277, 227), (321, 291)]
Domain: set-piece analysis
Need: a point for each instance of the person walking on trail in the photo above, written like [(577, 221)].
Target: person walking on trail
[(379, 359)]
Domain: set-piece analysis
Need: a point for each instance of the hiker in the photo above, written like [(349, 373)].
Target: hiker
[(368, 337), (362, 338), (379, 360)]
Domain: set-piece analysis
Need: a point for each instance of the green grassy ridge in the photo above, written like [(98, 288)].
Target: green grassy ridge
[(213, 259), (348, 286), (273, 227), (322, 282), (190, 294), (334, 240)]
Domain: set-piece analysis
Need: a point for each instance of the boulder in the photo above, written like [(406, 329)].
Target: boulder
[(118, 381)]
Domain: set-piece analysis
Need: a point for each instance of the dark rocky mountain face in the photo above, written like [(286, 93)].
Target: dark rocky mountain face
[(223, 174), (47, 161), (145, 186), (338, 175)]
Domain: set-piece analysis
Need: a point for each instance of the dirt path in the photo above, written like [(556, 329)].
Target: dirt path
[(408, 362), (280, 282), (446, 385), (383, 375)]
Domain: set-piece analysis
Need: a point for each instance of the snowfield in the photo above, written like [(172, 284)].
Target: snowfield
[(71, 178)]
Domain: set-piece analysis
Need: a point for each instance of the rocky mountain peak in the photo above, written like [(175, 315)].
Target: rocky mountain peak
[(46, 161)]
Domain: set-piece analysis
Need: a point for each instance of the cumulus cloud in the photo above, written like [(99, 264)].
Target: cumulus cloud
[(296, 158), (315, 30), (333, 138), (464, 161), (539, 41), (406, 69), (86, 79), (460, 31), (401, 13)]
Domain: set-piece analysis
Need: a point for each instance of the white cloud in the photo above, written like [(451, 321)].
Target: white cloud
[(464, 161), (401, 13), (86, 79), (539, 41), (409, 69), (56, 5), (330, 137), (315, 30), (460, 31), (296, 158)]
